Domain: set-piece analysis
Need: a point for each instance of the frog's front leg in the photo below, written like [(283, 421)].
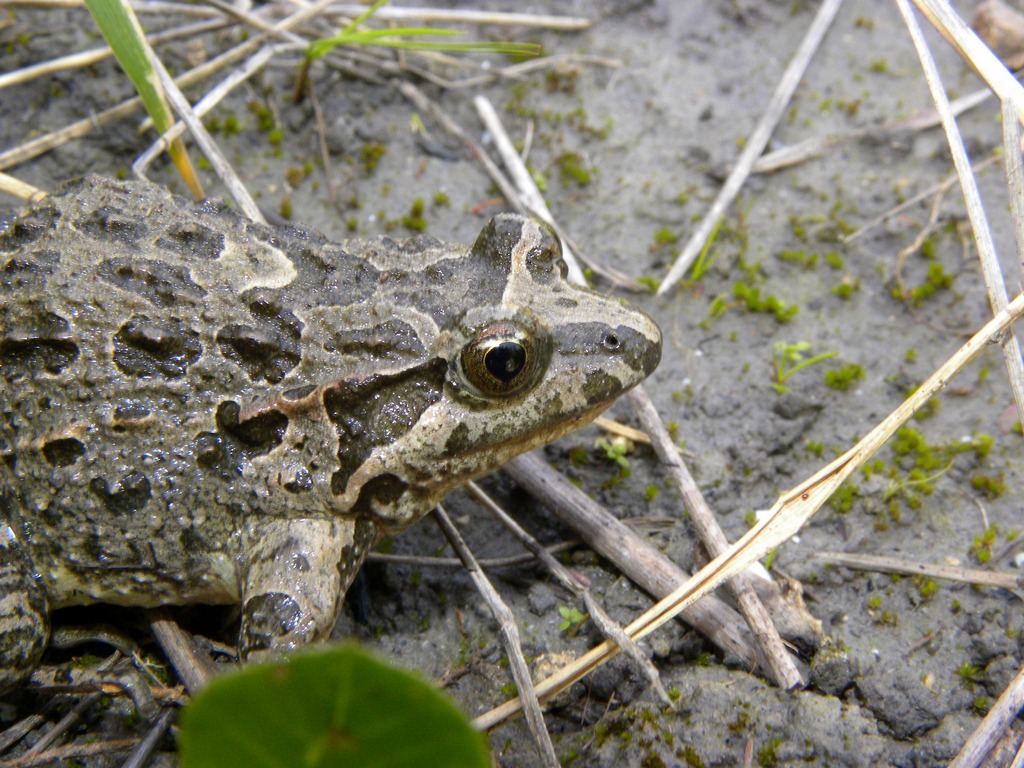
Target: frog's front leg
[(24, 612), (295, 576)]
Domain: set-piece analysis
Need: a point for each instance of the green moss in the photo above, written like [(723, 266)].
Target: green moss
[(930, 407), (844, 377), (969, 674), (926, 587), (652, 283), (801, 258), (989, 486), (370, 155), (665, 236), (834, 260), (414, 220), (752, 301), (842, 500), (284, 208), (846, 288), (572, 169), (936, 280), (768, 754), (651, 492), (981, 547), (690, 757), (265, 122), (440, 200)]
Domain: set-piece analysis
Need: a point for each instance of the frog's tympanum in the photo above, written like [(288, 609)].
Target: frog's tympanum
[(198, 409)]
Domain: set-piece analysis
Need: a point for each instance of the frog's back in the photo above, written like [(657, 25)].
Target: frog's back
[(136, 332)]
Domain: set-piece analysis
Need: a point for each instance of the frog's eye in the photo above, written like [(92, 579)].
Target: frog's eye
[(500, 359)]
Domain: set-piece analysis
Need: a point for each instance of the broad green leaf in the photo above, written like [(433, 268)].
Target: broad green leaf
[(320, 709)]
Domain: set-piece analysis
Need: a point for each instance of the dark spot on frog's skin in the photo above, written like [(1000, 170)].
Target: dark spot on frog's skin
[(193, 240), (34, 340), (24, 273), (378, 495), (212, 455), (20, 357), (600, 386), (300, 482), (378, 410), (144, 348), (26, 231), (256, 435), (131, 412), (62, 452), (389, 343), (458, 441), (268, 349), (268, 616), (565, 303), (107, 223), (298, 393), (164, 285), (364, 538), (130, 495)]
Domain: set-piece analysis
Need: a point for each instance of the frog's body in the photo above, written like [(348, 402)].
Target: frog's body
[(199, 409)]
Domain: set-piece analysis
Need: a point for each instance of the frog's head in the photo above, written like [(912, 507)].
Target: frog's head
[(521, 357)]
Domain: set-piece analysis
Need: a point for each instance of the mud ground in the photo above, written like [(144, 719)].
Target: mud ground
[(633, 150)]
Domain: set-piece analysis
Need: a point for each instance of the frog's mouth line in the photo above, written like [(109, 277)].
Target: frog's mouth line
[(506, 450)]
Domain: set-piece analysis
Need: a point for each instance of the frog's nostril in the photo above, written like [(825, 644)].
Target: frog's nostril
[(611, 342)]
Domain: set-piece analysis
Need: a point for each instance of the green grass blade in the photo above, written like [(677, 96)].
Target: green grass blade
[(121, 29)]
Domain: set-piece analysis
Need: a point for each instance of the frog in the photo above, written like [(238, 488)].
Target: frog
[(196, 408)]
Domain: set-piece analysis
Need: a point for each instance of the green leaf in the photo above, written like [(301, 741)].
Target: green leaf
[(339, 707), (121, 30)]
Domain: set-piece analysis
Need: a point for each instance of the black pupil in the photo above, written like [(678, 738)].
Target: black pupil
[(505, 361)]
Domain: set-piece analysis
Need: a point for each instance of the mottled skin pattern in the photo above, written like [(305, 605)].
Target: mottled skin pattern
[(198, 409)]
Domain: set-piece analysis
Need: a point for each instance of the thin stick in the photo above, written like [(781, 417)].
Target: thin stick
[(982, 235), (973, 50), (516, 168), (510, 638), (608, 627), (45, 143), (194, 668), (20, 189), (62, 725), (454, 562), (641, 562), (785, 157), (756, 143), (935, 189), (20, 729), (528, 197), (424, 104), (394, 13), (85, 58), (998, 719), (72, 751), (1015, 182), (209, 147), (782, 670), (142, 752), (893, 565), (213, 97)]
